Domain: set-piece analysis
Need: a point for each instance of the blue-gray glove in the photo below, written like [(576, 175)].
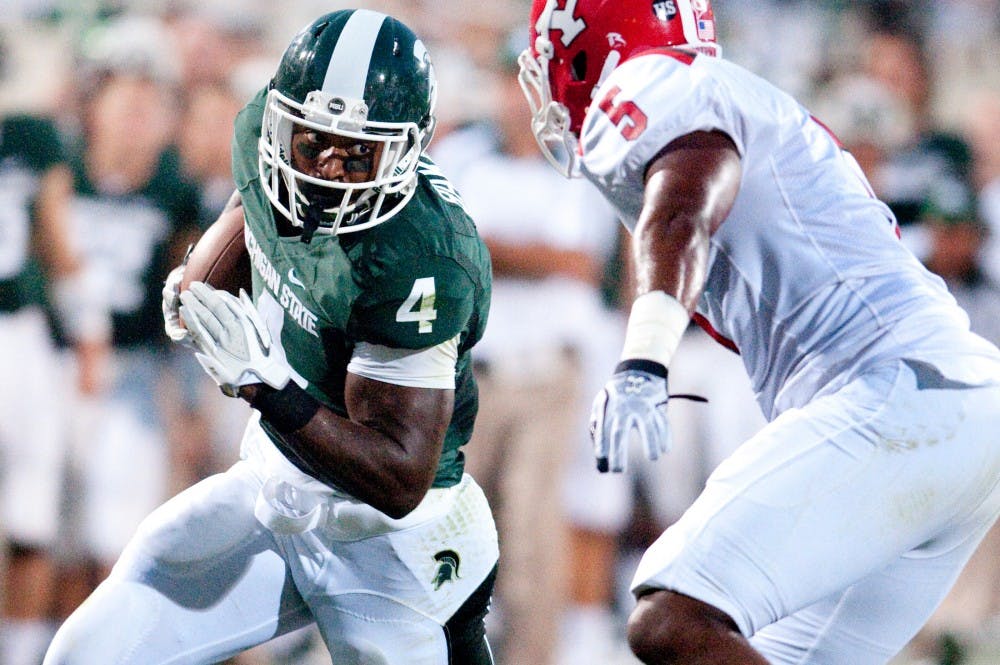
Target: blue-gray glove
[(635, 398)]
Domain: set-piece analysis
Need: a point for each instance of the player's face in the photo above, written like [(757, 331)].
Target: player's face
[(332, 157)]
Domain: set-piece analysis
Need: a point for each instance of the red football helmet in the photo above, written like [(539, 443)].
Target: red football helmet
[(573, 46)]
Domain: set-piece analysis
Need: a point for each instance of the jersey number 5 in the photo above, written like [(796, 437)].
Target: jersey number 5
[(419, 305), (625, 115)]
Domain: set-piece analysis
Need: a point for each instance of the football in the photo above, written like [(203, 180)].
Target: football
[(220, 257)]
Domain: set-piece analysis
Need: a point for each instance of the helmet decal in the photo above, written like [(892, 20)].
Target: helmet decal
[(553, 18), (347, 70), (665, 10)]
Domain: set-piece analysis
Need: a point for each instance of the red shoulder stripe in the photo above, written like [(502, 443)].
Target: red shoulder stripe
[(686, 57), (713, 333)]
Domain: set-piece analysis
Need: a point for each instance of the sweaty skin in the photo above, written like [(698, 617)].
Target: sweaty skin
[(690, 189), (334, 158), (387, 452)]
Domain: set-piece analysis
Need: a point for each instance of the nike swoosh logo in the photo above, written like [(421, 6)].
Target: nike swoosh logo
[(295, 280)]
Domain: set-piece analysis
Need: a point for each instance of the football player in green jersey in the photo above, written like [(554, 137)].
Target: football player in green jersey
[(349, 506)]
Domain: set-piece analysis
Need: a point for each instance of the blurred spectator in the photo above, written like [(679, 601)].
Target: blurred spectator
[(545, 319), (204, 132), (964, 35), (466, 97), (210, 39), (37, 262), (982, 125), (203, 423), (957, 236), (898, 61), (796, 61), (870, 121), (132, 215)]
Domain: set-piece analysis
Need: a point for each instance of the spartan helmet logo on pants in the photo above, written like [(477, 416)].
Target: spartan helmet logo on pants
[(448, 562)]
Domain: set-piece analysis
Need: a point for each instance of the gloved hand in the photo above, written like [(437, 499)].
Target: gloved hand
[(635, 398), (234, 345), (171, 306)]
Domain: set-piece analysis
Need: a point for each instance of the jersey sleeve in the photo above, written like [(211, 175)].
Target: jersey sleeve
[(413, 304), (246, 133), (648, 102)]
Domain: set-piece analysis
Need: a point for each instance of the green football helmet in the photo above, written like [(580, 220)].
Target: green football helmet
[(355, 74)]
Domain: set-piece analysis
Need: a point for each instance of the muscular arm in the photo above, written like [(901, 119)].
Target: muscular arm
[(690, 189), (387, 453)]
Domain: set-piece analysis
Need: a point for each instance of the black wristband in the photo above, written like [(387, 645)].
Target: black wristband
[(649, 366), (286, 410)]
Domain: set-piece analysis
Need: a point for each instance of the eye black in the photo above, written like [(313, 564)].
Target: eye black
[(310, 149), (358, 165)]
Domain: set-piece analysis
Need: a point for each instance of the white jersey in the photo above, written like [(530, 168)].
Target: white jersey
[(807, 277)]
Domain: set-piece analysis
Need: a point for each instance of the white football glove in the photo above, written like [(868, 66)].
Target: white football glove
[(631, 400), (171, 307), (234, 344)]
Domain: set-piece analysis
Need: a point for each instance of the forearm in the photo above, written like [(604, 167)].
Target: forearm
[(52, 240), (690, 189), (671, 255), (376, 466)]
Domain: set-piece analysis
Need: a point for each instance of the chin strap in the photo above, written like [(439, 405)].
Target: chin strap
[(310, 224), (311, 213)]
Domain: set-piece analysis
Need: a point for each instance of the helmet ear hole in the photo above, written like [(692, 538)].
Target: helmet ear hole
[(578, 67), (427, 126)]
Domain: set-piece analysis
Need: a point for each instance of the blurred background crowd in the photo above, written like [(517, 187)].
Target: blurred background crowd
[(115, 121)]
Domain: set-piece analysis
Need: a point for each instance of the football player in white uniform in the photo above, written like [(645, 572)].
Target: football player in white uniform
[(831, 535)]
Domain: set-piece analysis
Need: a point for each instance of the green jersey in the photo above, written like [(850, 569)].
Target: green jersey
[(29, 147), (126, 238), (415, 281)]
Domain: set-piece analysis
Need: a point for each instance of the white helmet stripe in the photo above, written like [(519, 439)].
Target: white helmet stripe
[(687, 21), (348, 68)]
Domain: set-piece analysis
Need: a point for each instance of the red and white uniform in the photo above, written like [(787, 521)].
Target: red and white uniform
[(878, 472)]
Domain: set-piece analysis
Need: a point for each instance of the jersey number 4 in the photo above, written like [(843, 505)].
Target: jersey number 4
[(419, 305)]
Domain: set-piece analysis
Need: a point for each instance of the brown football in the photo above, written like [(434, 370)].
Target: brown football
[(220, 257)]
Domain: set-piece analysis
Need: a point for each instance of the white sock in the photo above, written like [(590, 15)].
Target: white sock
[(24, 642)]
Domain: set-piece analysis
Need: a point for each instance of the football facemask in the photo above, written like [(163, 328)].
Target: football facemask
[(349, 77), (351, 203)]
